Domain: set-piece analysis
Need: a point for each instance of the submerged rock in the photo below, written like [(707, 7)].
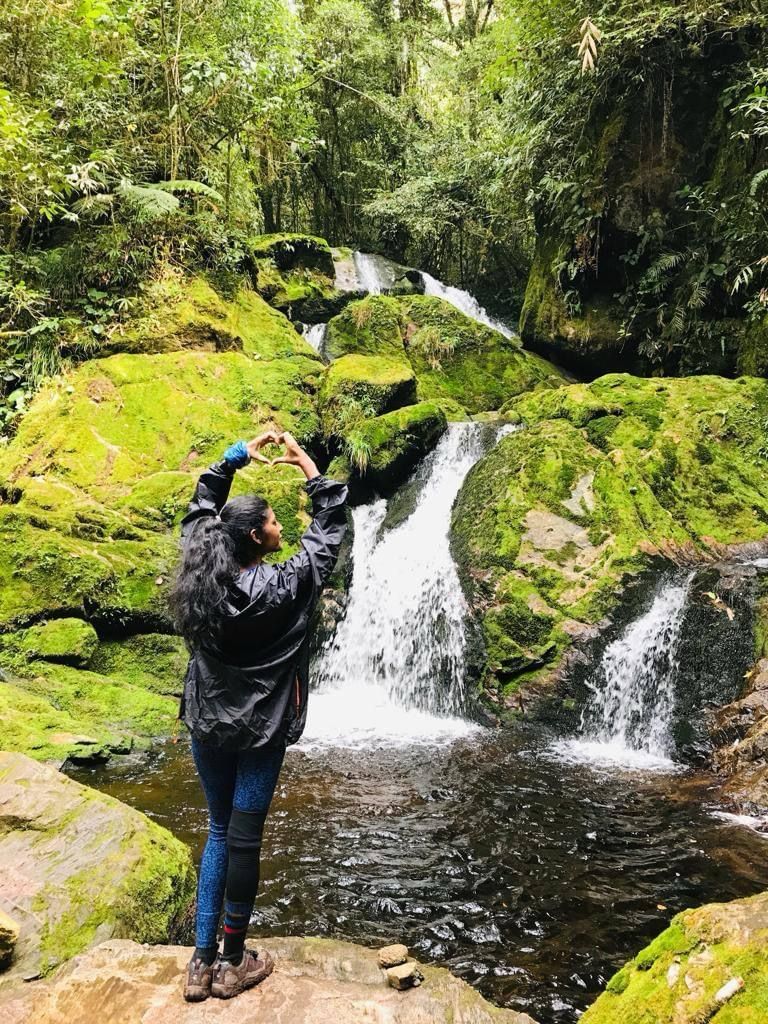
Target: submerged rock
[(603, 479), (315, 981), (710, 964), (78, 867)]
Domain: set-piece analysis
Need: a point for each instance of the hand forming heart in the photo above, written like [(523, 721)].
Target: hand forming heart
[(293, 451)]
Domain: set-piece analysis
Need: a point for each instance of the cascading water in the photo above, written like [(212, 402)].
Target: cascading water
[(377, 274), (465, 302), (315, 335), (628, 719), (394, 670)]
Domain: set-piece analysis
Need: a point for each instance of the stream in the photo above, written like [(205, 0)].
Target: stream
[(531, 864)]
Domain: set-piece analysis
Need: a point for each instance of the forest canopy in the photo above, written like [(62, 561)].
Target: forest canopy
[(474, 140)]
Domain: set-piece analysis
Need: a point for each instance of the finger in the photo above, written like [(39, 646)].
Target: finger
[(258, 457), (286, 459)]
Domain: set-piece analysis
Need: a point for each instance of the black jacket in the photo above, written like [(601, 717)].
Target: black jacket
[(253, 690)]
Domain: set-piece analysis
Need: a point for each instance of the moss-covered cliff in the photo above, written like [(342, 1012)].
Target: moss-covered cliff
[(599, 479), (649, 204)]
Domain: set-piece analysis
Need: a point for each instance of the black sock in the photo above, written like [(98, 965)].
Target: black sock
[(206, 953)]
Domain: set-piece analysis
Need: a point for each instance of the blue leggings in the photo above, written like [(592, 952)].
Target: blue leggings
[(238, 787)]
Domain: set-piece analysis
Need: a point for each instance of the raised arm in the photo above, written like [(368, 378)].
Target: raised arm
[(322, 539), (212, 489)]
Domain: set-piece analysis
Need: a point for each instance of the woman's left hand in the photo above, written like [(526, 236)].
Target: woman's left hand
[(254, 447)]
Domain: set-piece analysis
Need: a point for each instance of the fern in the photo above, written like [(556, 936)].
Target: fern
[(194, 188), (757, 181), (147, 201)]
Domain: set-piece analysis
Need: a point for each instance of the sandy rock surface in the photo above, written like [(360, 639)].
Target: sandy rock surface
[(316, 981)]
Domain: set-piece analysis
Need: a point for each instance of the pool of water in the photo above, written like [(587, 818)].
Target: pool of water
[(529, 873)]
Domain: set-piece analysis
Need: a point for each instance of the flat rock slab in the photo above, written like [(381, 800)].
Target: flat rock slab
[(316, 981)]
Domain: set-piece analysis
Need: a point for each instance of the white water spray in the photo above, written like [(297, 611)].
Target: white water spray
[(464, 302), (377, 274), (315, 336), (628, 720), (393, 672)]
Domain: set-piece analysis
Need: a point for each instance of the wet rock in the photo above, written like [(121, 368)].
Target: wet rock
[(316, 981), (9, 936), (604, 480), (393, 956), (77, 867)]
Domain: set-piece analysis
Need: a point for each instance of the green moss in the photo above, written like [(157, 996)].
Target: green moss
[(182, 313), (358, 387), (105, 460), (603, 476), (464, 364), (155, 662), (371, 327), (396, 441), (291, 251), (70, 641), (675, 979), (546, 317), (144, 884)]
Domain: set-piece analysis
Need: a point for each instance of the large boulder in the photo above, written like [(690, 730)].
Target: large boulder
[(92, 488), (78, 867), (463, 365), (383, 451), (316, 981), (602, 479), (709, 965), (296, 275)]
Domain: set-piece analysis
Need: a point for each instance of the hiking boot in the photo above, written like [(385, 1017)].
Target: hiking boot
[(197, 986), (232, 979)]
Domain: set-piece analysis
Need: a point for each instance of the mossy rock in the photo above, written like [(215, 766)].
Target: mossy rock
[(155, 662), (709, 965), (463, 365), (188, 313), (391, 445), (86, 868), (293, 252), (372, 326), (590, 340), (359, 386), (69, 641), (603, 478), (104, 462)]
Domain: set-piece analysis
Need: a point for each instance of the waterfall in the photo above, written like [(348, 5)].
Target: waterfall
[(393, 672), (628, 719), (465, 302), (315, 335), (377, 274)]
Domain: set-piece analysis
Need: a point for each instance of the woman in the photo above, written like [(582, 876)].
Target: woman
[(245, 692)]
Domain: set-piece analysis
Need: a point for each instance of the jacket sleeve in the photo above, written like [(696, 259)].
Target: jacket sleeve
[(322, 539), (210, 495)]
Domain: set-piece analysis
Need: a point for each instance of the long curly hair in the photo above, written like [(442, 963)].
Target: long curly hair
[(213, 553)]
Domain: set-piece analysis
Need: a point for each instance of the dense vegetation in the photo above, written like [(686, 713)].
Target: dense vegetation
[(468, 139)]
